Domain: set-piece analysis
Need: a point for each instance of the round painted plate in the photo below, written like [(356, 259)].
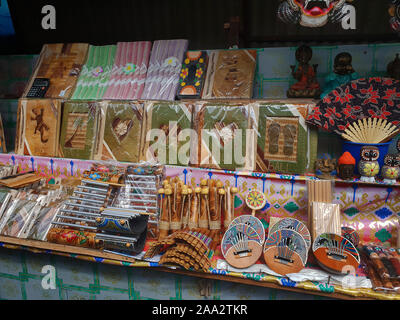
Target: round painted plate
[(351, 235), (241, 246), (256, 200), (335, 253), (285, 251), (293, 224), (254, 222)]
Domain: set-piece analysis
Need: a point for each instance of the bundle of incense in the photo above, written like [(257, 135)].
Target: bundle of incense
[(194, 213), (204, 217), (318, 191), (163, 223), (230, 206), (73, 238)]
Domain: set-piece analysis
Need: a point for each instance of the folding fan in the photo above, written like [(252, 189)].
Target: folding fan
[(356, 100)]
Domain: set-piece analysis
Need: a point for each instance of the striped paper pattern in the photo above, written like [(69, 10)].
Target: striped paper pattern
[(128, 75), (96, 72), (164, 69)]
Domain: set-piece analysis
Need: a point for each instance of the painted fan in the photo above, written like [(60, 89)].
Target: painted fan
[(335, 253), (241, 246), (351, 235), (255, 200), (285, 252), (370, 130), (359, 99), (253, 222), (293, 224)]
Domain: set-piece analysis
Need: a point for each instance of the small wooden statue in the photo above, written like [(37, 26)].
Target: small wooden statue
[(343, 72), (346, 166), (325, 168), (307, 85)]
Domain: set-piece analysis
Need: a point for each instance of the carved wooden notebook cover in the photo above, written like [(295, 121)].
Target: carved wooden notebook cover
[(38, 127), (79, 131), (62, 64), (224, 139), (122, 131), (284, 142), (230, 74), (173, 119)]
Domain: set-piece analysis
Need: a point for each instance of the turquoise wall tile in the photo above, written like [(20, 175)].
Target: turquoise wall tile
[(35, 291), (112, 277), (10, 263), (151, 284), (10, 289)]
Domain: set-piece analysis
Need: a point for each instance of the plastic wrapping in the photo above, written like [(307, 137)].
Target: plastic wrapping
[(42, 223), (382, 266), (326, 219), (167, 137), (120, 139), (226, 139), (38, 127), (320, 191), (16, 216), (62, 64), (165, 64), (193, 74), (284, 142), (230, 74), (95, 74), (79, 130), (7, 170), (129, 72), (140, 195)]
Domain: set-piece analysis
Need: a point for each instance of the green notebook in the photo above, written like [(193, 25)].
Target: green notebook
[(167, 135), (225, 141), (122, 131), (93, 79), (79, 130), (285, 143)]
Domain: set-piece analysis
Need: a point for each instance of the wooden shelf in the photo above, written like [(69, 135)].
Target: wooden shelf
[(52, 248)]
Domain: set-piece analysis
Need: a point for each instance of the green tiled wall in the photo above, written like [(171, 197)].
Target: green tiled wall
[(21, 278)]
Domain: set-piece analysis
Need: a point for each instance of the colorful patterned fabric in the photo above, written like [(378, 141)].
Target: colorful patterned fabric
[(362, 98)]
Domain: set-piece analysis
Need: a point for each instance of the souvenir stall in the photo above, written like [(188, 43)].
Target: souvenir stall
[(227, 165)]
